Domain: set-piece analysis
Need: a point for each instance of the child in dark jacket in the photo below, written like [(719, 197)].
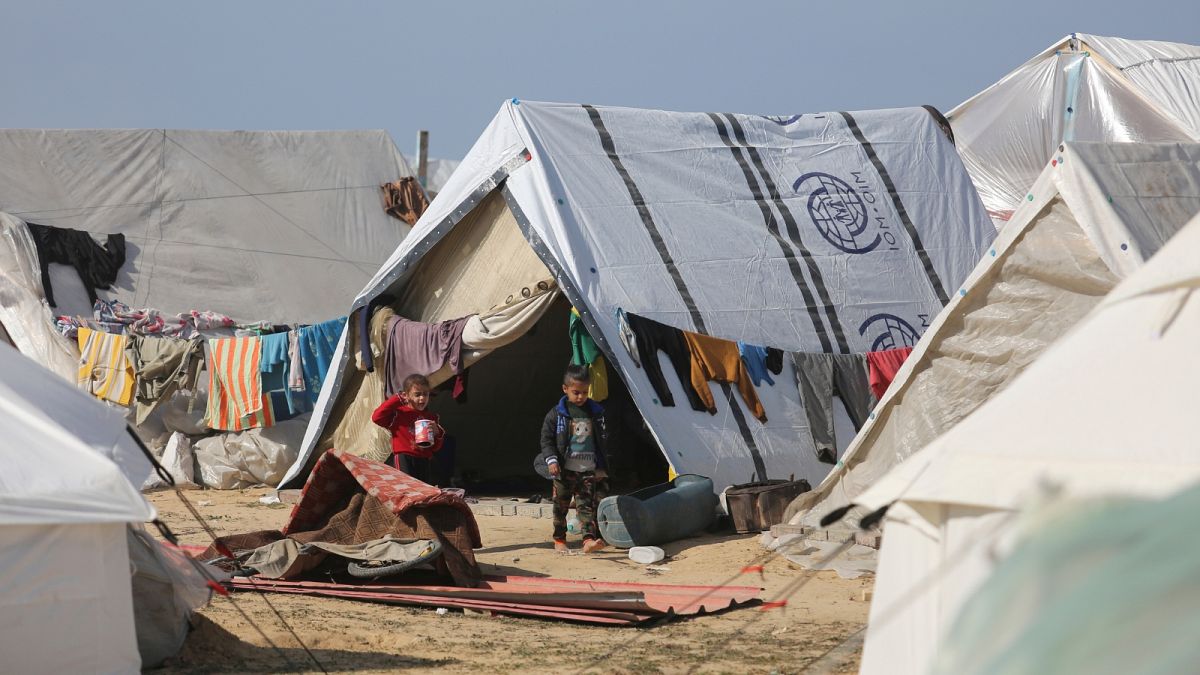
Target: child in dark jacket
[(399, 415), (574, 447)]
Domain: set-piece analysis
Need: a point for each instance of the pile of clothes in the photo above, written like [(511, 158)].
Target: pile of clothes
[(859, 380)]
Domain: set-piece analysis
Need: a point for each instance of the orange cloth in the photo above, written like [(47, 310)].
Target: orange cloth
[(718, 360)]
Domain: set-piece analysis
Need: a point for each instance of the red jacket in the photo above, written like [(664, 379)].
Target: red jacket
[(398, 417)]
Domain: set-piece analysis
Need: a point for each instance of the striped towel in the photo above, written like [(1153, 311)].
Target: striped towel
[(236, 400), (104, 370)]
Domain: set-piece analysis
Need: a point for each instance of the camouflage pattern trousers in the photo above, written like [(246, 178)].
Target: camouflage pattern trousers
[(586, 489)]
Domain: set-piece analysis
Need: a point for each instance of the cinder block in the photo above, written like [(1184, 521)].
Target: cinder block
[(508, 509), (487, 509), (868, 539), (529, 510), (784, 528), (547, 510)]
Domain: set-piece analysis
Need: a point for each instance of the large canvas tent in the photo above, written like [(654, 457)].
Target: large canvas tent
[(836, 232), (65, 595), (1106, 411), (1081, 88), (279, 226), (1092, 218)]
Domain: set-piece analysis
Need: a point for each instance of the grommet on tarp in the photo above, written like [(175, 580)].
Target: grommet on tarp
[(593, 269), (528, 156), (655, 401), (1070, 109), (1054, 162), (962, 292), (1110, 199), (1060, 160), (560, 201), (1124, 247), (993, 252), (872, 415), (1029, 197), (516, 101), (1060, 148)]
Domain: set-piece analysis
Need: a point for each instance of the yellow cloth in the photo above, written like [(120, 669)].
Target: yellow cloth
[(104, 370), (598, 371)]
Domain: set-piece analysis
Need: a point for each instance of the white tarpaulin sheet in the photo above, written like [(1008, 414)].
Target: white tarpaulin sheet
[(1098, 212), (282, 226), (1106, 411), (65, 603), (1083, 88), (835, 232)]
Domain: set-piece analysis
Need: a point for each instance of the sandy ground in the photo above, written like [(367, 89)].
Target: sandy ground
[(818, 631)]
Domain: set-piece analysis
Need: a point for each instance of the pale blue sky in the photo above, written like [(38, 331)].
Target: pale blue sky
[(447, 66)]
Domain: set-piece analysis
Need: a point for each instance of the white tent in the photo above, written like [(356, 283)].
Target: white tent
[(1092, 217), (282, 226), (1082, 88), (65, 594), (1106, 411), (835, 232)]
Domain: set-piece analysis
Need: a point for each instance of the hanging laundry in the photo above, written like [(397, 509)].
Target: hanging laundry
[(68, 326), (583, 347), (882, 367), (625, 333), (163, 366), (755, 359), (275, 366), (104, 370), (404, 199), (422, 348), (236, 400), (820, 377), (714, 359), (774, 360), (651, 337), (96, 265), (366, 354), (317, 344), (295, 379), (598, 374)]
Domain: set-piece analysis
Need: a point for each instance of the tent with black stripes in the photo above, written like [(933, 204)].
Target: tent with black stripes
[(835, 233), (1093, 217), (1082, 88)]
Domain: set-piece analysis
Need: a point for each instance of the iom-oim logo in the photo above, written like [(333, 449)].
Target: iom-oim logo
[(838, 211), (889, 331)]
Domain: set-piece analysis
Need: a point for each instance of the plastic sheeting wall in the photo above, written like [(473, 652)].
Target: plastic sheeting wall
[(1007, 133), (65, 599), (24, 313), (283, 226)]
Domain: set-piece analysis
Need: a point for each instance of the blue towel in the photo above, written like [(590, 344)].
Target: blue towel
[(316, 351), (756, 362), (274, 364)]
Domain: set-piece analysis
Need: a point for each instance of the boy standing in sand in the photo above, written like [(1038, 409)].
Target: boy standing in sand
[(574, 447), (413, 441)]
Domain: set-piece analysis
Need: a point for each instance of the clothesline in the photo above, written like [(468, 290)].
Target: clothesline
[(857, 379), (254, 380)]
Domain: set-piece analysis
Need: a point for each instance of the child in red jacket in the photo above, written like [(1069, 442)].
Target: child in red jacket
[(400, 415)]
